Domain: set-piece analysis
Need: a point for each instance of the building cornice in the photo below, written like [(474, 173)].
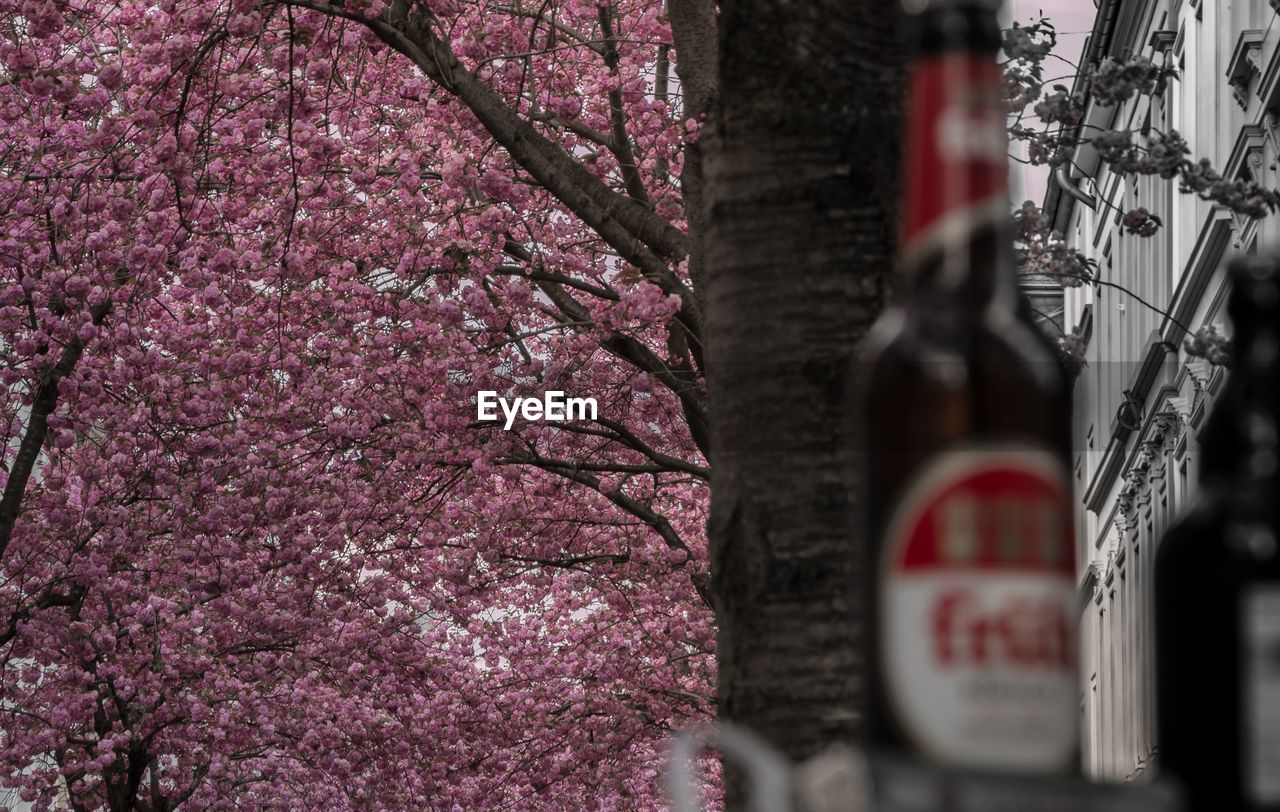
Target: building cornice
[(1269, 83), (1162, 430), (1118, 457), (1211, 244), (1206, 255), (1090, 582), (1162, 41), (1100, 485), (1245, 161), (1057, 203), (1245, 64)]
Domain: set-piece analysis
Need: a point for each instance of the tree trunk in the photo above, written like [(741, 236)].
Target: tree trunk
[(802, 165)]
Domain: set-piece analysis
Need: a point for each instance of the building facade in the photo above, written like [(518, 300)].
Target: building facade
[(1141, 402)]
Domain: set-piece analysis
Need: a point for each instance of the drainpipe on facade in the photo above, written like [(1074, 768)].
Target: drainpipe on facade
[(1064, 180), (1098, 44)]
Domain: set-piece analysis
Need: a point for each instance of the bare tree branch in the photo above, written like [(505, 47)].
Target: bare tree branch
[(47, 599), (639, 235), (571, 562), (558, 279), (42, 406), (559, 27), (684, 383), (636, 508), (575, 127), (621, 147), (621, 434)]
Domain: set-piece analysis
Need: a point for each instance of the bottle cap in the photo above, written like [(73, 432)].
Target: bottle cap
[(921, 6), (937, 26)]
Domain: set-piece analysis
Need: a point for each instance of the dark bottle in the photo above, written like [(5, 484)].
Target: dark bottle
[(1217, 579), (972, 622)]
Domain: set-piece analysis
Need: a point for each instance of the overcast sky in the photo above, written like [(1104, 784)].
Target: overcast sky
[(1073, 19)]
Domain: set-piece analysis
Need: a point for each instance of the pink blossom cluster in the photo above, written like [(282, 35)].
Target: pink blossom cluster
[(254, 265)]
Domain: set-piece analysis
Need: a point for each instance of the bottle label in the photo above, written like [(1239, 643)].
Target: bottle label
[(1260, 618), (977, 605), (957, 156)]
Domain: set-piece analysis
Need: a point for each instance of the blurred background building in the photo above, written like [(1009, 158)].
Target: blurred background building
[(1141, 401)]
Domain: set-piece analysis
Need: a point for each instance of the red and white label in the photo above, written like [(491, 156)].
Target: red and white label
[(977, 597), (957, 157)]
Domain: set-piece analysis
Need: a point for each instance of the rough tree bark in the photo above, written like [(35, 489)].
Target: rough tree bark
[(802, 184)]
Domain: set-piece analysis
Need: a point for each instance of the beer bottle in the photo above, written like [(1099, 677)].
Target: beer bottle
[(972, 620), (1217, 579)]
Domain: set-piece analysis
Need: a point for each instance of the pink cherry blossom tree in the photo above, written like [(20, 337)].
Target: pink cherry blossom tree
[(257, 549), (257, 257)]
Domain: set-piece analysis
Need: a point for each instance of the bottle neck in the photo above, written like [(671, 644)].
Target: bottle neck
[(956, 236), (1258, 370), (1241, 442)]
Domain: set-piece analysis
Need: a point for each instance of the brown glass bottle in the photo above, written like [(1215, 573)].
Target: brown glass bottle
[(1217, 579), (972, 622)]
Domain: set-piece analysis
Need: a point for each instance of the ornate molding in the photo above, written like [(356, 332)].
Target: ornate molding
[(1147, 467), (1166, 429), (1151, 458), (1199, 370), (1253, 165), (1124, 502), (1148, 452), (1170, 425), (1271, 128), (1245, 162), (1136, 483), (1242, 230), (1162, 41), (1253, 55), (1245, 64), (1091, 584)]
